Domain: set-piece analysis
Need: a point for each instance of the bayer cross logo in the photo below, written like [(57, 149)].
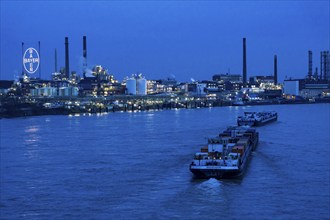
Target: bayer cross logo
[(31, 60)]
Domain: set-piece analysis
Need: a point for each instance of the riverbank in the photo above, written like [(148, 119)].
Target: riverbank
[(24, 107)]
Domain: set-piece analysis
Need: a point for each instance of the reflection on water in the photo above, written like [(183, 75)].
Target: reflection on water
[(31, 141), (32, 129)]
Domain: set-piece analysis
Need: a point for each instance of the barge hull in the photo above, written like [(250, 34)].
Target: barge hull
[(215, 173), (256, 123), (261, 123)]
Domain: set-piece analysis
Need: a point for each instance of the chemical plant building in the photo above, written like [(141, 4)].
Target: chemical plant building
[(136, 85), (315, 85), (163, 86), (98, 82), (5, 87)]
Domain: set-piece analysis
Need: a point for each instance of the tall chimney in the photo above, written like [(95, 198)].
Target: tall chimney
[(321, 66), (67, 69), (244, 62), (39, 59), (316, 74), (55, 60), (310, 64), (326, 65), (23, 58), (84, 55), (275, 70)]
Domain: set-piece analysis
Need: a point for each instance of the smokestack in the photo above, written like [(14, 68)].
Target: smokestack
[(327, 56), (244, 62), (67, 69), (325, 65), (310, 64), (55, 61), (23, 58), (316, 74), (275, 70), (84, 55), (321, 65), (39, 59), (84, 47)]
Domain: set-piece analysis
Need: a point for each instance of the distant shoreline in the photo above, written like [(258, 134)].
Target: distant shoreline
[(13, 108)]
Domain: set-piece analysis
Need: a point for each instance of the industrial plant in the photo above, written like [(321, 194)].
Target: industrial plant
[(96, 90), (314, 85)]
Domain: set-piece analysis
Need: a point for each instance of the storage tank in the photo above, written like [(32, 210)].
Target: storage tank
[(67, 91), (141, 86), (46, 91), (74, 91), (52, 91), (49, 91), (64, 91), (34, 92), (131, 86)]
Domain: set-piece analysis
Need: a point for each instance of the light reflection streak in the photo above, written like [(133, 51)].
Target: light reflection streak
[(32, 139)]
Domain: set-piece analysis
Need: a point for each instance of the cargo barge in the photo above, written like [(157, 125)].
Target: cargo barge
[(256, 118), (227, 155)]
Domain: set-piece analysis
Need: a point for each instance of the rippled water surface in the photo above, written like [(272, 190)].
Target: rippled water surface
[(136, 166)]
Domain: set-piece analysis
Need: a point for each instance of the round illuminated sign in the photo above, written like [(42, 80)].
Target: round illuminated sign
[(31, 60)]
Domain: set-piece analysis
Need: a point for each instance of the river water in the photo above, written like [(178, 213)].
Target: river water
[(136, 166)]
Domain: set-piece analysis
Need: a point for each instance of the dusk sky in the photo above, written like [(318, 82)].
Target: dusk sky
[(185, 39)]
